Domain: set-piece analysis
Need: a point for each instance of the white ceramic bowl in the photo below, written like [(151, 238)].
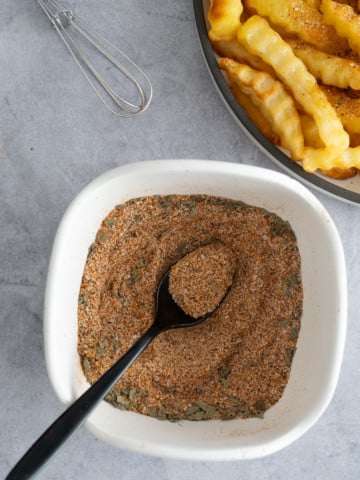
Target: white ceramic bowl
[(319, 354)]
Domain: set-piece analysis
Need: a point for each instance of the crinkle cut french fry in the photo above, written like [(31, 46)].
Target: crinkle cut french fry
[(297, 17), (312, 139), (310, 132), (340, 173), (273, 100), (327, 158), (313, 3), (231, 48), (330, 69), (345, 21), (254, 113), (224, 18), (260, 39)]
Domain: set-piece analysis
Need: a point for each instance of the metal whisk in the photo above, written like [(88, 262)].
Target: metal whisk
[(70, 28)]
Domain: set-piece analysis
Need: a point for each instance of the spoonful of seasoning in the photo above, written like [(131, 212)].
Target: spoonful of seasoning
[(187, 294)]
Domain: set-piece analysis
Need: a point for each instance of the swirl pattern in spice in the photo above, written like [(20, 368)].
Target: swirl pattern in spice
[(235, 364)]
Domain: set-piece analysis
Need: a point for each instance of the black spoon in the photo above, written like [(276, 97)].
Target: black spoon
[(168, 315)]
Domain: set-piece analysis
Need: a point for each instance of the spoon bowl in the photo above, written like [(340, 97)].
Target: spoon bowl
[(168, 314)]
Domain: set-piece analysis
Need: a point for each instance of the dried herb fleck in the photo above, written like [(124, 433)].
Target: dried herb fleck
[(101, 236), (92, 248), (182, 249), (86, 364), (201, 411), (83, 299), (293, 333), (122, 400), (165, 202), (224, 372), (288, 284), (283, 322), (110, 222), (140, 262), (241, 407), (102, 347), (134, 277), (289, 355), (280, 227), (163, 233), (260, 407)]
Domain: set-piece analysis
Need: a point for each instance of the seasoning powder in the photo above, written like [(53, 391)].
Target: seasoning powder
[(199, 281), (236, 363)]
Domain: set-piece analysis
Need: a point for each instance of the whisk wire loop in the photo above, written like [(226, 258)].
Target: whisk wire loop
[(62, 19)]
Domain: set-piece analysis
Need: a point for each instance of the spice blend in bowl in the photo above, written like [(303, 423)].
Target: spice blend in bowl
[(235, 364), (315, 366)]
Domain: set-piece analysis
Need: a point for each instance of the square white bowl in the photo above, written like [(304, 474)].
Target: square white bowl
[(318, 358)]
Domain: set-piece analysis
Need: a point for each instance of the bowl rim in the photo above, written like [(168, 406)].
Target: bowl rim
[(207, 453), (249, 128)]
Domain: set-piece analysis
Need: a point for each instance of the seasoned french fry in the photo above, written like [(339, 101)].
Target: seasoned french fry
[(313, 3), (296, 73), (346, 105), (350, 157), (315, 158), (260, 39), (273, 100), (330, 69), (254, 113), (326, 158), (297, 17), (233, 49), (340, 173), (224, 18), (312, 139), (310, 132), (345, 21)]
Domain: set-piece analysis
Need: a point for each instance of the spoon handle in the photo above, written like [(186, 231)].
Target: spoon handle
[(57, 434)]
